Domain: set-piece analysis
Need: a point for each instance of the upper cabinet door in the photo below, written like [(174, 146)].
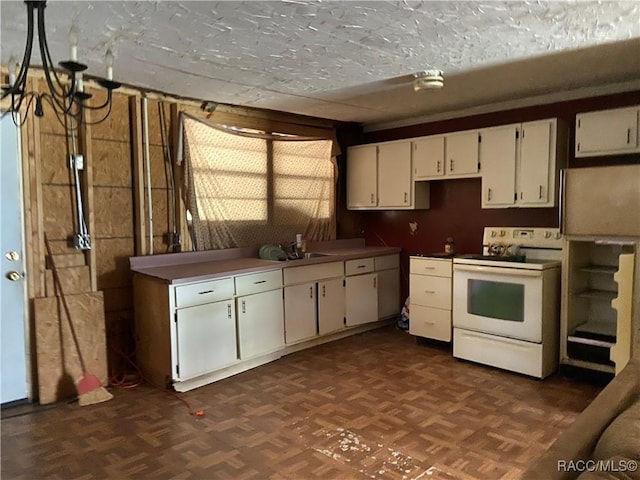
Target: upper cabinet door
[(498, 158), (428, 157), (536, 161), (607, 132), (362, 177), (394, 174), (462, 153)]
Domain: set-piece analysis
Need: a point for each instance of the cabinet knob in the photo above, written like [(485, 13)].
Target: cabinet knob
[(438, 166), (405, 197), (310, 292), (372, 199)]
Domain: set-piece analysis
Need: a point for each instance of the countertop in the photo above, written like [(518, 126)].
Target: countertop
[(189, 267)]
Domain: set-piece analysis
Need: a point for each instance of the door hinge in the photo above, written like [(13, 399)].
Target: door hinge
[(479, 138), (175, 317), (578, 147), (344, 320), (344, 282), (579, 123), (478, 166), (515, 197), (178, 370), (517, 134)]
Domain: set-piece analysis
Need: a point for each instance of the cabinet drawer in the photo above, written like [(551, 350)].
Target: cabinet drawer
[(430, 266), (430, 291), (430, 323), (311, 273), (204, 292), (258, 282), (387, 262), (361, 265)]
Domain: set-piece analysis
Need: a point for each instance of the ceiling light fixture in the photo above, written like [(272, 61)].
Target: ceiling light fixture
[(66, 95), (428, 79)]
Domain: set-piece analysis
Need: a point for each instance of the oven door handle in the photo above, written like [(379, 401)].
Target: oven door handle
[(512, 272)]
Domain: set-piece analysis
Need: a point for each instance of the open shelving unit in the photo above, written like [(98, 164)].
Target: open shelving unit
[(596, 313)]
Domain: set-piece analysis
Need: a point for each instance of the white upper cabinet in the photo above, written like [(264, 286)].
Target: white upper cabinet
[(394, 174), (498, 159), (462, 153), (607, 132), (379, 177), (520, 164), (428, 157), (536, 172), (362, 177)]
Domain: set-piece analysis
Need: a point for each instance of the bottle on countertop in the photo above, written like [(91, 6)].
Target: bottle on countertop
[(450, 246)]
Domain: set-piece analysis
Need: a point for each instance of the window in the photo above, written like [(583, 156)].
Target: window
[(250, 188)]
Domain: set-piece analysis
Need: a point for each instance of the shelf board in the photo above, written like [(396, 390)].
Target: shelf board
[(604, 269), (590, 341), (599, 294), (588, 365), (595, 327)]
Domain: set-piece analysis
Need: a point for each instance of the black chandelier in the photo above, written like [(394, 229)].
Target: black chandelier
[(65, 95)]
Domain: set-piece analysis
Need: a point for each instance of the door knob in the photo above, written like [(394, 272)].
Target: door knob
[(14, 276)]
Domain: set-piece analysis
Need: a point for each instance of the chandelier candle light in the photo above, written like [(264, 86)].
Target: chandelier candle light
[(66, 96)]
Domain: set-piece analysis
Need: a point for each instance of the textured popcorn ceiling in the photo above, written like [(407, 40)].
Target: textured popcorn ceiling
[(347, 60)]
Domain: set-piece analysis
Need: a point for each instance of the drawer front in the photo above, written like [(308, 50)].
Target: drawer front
[(428, 266), (387, 262), (430, 291), (356, 267), (311, 273), (258, 282), (204, 292), (430, 323)]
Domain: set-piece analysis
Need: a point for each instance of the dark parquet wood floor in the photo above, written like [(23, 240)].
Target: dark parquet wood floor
[(374, 406)]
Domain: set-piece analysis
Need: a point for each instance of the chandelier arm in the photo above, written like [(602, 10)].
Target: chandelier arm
[(21, 79), (47, 63), (100, 107), (104, 117), (59, 116)]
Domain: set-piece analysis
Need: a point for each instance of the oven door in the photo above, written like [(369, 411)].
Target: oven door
[(500, 301)]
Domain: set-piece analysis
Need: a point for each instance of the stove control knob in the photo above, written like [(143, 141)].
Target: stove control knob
[(547, 234), (502, 233), (558, 235), (493, 233)]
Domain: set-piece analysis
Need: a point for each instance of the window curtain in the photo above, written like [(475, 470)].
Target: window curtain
[(247, 188)]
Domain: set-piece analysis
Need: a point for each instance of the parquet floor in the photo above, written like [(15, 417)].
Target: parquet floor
[(374, 406)]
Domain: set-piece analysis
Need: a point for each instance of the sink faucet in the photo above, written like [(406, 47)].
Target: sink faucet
[(291, 250)]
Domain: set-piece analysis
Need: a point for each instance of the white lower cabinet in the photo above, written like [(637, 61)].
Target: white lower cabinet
[(313, 300), (300, 312), (260, 323), (388, 269), (361, 291), (331, 306), (430, 294), (205, 338)]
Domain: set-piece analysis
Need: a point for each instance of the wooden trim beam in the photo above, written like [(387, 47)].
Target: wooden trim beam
[(140, 231), (88, 197)]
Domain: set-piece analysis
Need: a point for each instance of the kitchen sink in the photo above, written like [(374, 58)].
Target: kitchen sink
[(315, 255)]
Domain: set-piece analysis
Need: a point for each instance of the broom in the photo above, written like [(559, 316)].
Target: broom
[(90, 390)]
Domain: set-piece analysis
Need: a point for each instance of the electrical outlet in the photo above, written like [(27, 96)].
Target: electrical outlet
[(77, 161)]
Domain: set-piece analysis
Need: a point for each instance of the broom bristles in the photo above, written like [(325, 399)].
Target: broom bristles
[(95, 396), (91, 391)]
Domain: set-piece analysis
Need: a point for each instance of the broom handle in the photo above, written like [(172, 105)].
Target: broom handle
[(56, 279)]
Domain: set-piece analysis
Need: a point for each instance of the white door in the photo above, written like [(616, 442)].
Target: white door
[(260, 323), (428, 157), (300, 312), (394, 174), (362, 165), (331, 306), (362, 299), (498, 159), (535, 158), (13, 284), (206, 338), (462, 153)]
